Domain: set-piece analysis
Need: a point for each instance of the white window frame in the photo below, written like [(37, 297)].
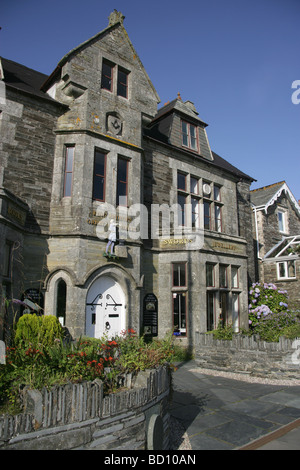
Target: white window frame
[(282, 224), (286, 271)]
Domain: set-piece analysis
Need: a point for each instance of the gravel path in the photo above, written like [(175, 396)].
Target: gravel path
[(246, 378), (179, 438)]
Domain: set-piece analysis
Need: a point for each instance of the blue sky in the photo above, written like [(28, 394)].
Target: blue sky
[(235, 59)]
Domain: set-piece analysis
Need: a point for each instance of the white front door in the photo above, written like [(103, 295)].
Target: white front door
[(105, 308)]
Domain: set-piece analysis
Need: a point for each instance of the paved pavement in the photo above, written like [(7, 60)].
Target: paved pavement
[(223, 414)]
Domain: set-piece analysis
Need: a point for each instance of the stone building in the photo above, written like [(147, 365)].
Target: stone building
[(86, 154), (276, 224)]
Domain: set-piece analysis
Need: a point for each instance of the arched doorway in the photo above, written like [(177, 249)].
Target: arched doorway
[(105, 308)]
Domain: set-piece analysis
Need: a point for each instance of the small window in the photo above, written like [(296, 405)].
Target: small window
[(181, 181), (69, 162), (281, 221), (210, 275), (181, 209), (179, 275), (206, 207), (217, 193), (107, 75), (122, 88), (234, 277), (218, 218), (61, 301), (179, 312), (189, 135), (286, 270), (195, 213), (194, 185), (211, 301), (235, 312), (223, 276), (122, 182), (99, 176)]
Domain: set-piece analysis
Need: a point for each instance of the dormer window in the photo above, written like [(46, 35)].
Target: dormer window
[(189, 135)]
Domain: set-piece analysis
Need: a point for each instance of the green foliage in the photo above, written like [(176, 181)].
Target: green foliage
[(271, 327), (37, 331), (222, 332), (44, 361), (269, 316), (265, 299)]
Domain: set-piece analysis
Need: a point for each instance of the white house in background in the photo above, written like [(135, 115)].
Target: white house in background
[(276, 224)]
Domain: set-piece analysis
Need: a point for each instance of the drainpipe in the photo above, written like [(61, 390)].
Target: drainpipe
[(256, 232)]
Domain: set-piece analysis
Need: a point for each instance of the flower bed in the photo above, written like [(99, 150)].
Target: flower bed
[(37, 361), (269, 315)]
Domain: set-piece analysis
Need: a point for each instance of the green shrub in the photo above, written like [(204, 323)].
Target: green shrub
[(265, 299), (274, 325), (41, 361), (222, 332), (37, 331)]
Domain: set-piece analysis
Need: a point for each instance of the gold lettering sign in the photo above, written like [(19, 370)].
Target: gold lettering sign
[(176, 241), (94, 219), (224, 246), (15, 214)]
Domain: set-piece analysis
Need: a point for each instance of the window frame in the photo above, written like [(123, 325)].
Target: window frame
[(225, 267), (181, 175), (235, 269), (178, 265), (120, 83), (189, 137), (123, 182), (195, 213), (213, 273), (282, 222), (235, 313), (68, 147), (218, 220), (197, 185), (107, 77), (286, 270), (96, 175), (205, 216)]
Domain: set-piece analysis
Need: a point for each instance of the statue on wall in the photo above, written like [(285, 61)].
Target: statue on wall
[(112, 238)]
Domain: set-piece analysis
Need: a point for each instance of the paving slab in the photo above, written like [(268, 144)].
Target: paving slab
[(221, 413)]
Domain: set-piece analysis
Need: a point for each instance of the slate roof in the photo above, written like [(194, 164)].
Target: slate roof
[(261, 196), (264, 197), (24, 79), (186, 108), (160, 127)]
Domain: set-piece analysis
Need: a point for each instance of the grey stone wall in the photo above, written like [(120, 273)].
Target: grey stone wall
[(291, 285), (27, 154), (248, 355), (244, 212), (79, 417)]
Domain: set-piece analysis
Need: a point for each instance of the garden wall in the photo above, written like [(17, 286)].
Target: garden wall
[(249, 354), (78, 416)]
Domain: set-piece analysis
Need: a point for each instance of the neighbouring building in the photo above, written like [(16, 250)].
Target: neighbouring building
[(276, 223), (85, 154)]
